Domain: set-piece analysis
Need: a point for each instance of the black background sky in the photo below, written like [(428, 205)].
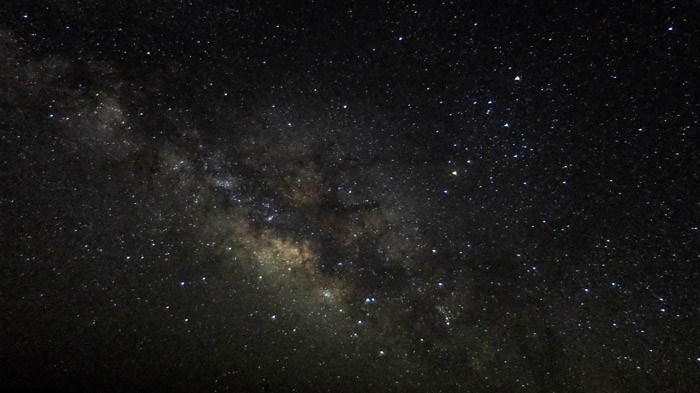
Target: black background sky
[(337, 196)]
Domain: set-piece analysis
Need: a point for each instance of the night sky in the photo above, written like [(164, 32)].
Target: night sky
[(349, 196)]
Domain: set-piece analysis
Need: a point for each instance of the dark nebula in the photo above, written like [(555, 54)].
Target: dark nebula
[(339, 197)]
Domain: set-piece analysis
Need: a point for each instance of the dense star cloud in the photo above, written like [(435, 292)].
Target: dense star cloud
[(379, 197)]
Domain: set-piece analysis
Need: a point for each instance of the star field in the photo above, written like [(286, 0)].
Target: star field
[(442, 197)]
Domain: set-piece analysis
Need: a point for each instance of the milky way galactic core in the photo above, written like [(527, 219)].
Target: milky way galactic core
[(234, 196)]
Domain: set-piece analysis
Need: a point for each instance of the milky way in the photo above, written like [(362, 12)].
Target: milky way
[(199, 197)]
